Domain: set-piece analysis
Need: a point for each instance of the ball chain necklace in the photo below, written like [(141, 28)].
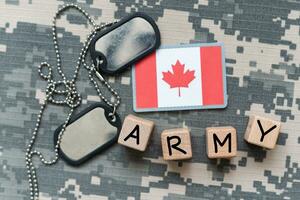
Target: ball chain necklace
[(72, 97)]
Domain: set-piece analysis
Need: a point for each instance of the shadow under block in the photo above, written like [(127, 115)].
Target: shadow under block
[(221, 142), (262, 131), (135, 132), (176, 144)]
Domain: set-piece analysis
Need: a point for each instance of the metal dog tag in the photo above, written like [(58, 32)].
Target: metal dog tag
[(88, 133), (124, 43)]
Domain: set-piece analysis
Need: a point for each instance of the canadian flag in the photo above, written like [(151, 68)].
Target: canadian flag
[(180, 78)]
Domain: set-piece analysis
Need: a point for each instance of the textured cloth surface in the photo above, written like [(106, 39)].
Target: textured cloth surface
[(262, 50)]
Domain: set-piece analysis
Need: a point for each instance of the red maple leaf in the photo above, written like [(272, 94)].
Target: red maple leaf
[(179, 78)]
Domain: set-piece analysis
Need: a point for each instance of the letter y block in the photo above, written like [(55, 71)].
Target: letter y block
[(176, 144), (262, 131)]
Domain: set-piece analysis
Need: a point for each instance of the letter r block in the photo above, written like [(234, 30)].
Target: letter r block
[(262, 131), (176, 144), (135, 132), (221, 142)]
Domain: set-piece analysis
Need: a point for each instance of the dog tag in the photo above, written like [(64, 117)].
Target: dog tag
[(124, 43), (89, 133)]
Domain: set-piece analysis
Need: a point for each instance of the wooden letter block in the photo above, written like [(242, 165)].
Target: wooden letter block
[(221, 142), (135, 132), (262, 131), (176, 144)]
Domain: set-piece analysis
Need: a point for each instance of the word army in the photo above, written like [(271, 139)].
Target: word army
[(221, 142)]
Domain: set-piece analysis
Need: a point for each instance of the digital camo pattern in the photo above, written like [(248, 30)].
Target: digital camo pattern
[(261, 38)]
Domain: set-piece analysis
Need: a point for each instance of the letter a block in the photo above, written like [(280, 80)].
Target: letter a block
[(176, 144), (135, 132), (221, 142), (262, 131)]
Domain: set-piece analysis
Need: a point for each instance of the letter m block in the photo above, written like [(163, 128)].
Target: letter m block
[(221, 142)]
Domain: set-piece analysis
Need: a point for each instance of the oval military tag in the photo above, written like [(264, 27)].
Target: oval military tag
[(89, 133)]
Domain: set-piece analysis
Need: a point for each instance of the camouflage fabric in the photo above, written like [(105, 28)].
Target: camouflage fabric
[(261, 39)]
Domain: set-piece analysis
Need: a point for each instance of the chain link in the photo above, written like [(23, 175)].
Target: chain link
[(72, 98)]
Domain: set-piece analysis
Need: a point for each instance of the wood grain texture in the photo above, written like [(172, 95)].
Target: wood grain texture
[(221, 142), (262, 131), (176, 144), (136, 132)]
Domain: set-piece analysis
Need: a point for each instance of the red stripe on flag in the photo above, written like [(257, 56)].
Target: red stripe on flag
[(146, 83), (212, 76)]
